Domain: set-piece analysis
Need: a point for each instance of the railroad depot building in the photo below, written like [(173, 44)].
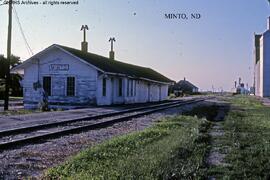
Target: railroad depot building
[(184, 87), (262, 63), (69, 77)]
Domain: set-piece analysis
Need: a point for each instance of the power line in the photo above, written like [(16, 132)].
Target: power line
[(22, 32)]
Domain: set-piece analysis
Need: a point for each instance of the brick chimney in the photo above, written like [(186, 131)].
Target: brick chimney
[(111, 55), (85, 46)]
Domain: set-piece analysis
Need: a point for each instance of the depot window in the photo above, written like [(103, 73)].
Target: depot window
[(70, 86), (120, 87), (47, 85), (128, 87), (104, 87)]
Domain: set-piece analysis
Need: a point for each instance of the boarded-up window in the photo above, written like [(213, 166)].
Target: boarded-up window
[(104, 87), (70, 86), (47, 85), (120, 84)]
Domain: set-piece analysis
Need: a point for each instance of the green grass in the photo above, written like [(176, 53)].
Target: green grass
[(172, 149), (247, 138), (176, 148)]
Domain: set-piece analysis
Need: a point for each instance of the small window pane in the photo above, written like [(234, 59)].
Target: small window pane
[(131, 87), (104, 87), (47, 85), (135, 87), (70, 86), (128, 87), (120, 87)]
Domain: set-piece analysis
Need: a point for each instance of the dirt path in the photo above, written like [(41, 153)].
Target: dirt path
[(216, 157), (214, 111), (218, 150)]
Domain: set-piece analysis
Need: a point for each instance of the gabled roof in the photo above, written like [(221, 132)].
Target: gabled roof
[(185, 84), (117, 67)]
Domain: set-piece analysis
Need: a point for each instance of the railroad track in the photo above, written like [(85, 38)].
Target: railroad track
[(17, 137)]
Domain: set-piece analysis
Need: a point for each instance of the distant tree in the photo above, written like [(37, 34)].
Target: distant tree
[(15, 79), (2, 67)]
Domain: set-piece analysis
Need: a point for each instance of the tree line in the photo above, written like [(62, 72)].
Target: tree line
[(15, 87)]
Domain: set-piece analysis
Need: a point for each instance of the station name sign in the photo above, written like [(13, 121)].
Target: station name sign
[(59, 67)]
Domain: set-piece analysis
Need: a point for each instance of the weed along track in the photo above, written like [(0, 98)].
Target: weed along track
[(213, 134), (238, 139), (217, 151), (180, 149), (221, 138), (35, 134), (32, 159)]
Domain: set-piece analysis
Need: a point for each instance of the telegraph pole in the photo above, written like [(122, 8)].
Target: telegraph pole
[(7, 84)]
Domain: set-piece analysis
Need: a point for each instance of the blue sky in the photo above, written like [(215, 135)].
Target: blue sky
[(214, 50)]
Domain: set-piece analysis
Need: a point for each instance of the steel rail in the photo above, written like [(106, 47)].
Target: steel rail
[(52, 135), (19, 130)]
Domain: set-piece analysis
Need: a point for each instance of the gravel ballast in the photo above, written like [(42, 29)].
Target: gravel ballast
[(33, 160)]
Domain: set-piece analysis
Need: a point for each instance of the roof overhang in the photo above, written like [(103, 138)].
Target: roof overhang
[(140, 78), (21, 67)]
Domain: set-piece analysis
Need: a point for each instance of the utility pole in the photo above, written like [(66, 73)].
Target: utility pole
[(7, 84)]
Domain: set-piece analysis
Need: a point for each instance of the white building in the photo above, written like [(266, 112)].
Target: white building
[(72, 77), (241, 89), (262, 63)]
